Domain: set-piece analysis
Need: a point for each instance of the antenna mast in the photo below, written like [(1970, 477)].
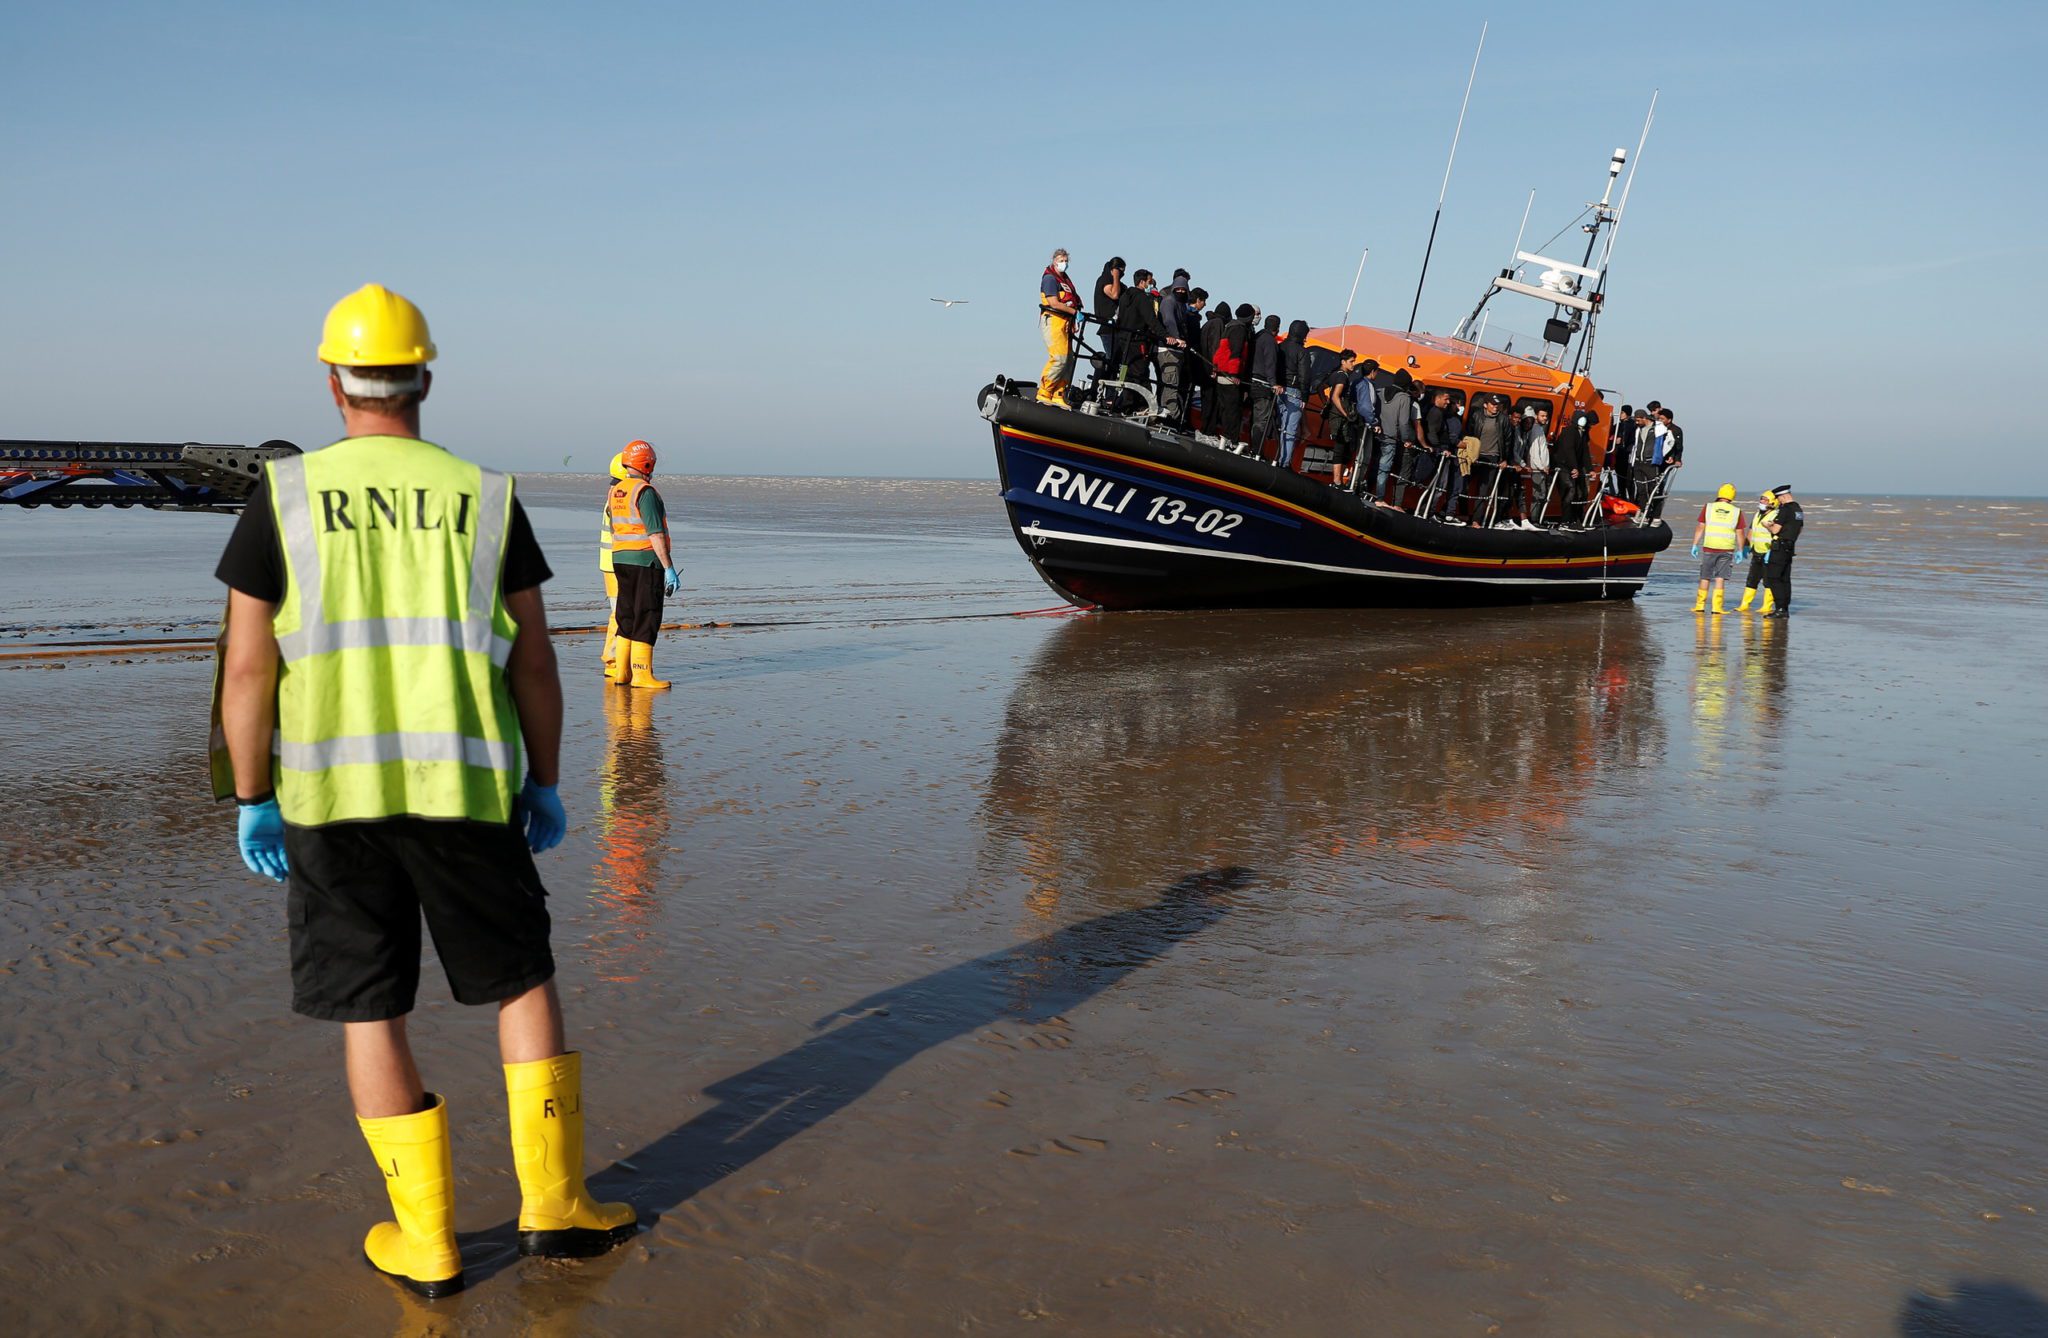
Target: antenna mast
[(1354, 288), (1607, 256), (1514, 259), (1445, 188)]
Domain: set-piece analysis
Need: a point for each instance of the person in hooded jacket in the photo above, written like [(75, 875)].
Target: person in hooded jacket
[(1212, 330), (1293, 389), (1568, 456), (1265, 379), (1177, 326), (1400, 444), (1232, 359)]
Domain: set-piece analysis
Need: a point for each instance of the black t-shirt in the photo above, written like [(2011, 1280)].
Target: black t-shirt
[(1440, 428), (253, 562)]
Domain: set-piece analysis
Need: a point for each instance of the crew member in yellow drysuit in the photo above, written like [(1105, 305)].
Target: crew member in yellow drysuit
[(1058, 305)]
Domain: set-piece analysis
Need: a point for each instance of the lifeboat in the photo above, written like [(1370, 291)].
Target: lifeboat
[(1123, 510)]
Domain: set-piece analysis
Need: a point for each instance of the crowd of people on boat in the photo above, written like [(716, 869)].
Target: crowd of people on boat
[(1180, 358)]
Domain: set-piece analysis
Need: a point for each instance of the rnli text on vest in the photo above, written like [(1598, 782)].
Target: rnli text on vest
[(429, 510)]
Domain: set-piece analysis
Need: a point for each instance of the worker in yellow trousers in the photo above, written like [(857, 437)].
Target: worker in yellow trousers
[(604, 564), (1059, 304)]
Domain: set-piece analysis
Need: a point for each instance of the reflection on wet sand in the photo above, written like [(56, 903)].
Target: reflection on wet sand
[(1268, 737), (633, 830)]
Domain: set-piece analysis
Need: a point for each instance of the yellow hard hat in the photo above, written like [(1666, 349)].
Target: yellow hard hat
[(1727, 492), (619, 465), (1767, 496), (375, 327)]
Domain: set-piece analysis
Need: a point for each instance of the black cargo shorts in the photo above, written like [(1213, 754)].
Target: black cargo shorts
[(357, 892)]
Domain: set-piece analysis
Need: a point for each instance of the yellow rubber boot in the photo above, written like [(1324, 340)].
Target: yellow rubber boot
[(1699, 605), (611, 622), (1717, 603), (557, 1218), (1748, 594), (419, 1173), (643, 666), (621, 670), (1770, 602)]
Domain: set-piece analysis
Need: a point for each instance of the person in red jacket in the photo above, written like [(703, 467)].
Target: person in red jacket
[(1233, 353)]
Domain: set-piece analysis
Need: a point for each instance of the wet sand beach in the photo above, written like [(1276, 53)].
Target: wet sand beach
[(1579, 970)]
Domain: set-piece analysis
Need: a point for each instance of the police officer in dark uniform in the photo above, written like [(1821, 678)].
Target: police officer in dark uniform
[(1784, 541)]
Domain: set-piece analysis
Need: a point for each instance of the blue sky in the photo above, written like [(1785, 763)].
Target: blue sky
[(717, 227)]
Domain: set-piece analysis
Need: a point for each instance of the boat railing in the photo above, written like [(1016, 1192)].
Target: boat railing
[(1110, 396), (1494, 501), (1655, 495)]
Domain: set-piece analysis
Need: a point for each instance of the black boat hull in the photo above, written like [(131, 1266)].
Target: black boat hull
[(1114, 516)]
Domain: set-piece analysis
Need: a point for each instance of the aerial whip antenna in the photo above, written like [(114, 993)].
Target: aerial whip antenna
[(1445, 188), (1523, 231), (1607, 255), (1354, 289), (1621, 209)]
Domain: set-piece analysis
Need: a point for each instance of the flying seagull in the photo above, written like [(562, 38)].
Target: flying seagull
[(950, 301)]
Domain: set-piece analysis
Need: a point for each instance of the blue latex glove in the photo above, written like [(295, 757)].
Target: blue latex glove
[(1742, 555), (1695, 550), (671, 581), (259, 830), (541, 816)]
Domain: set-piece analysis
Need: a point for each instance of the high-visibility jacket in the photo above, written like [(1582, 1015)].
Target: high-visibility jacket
[(1722, 520), (393, 633), (604, 536), (629, 529), (1759, 537)]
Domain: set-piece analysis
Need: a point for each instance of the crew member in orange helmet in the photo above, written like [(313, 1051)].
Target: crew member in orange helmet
[(604, 565), (644, 564)]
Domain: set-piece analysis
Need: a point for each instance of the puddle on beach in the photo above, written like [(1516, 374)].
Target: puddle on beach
[(1576, 970)]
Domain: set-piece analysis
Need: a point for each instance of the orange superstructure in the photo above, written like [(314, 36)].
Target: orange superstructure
[(1470, 370)]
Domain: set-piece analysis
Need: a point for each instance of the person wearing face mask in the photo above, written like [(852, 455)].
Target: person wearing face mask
[(1058, 304), (1137, 322)]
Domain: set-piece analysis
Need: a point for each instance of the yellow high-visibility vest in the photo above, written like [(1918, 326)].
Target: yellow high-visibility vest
[(1722, 518), (393, 632), (1759, 537)]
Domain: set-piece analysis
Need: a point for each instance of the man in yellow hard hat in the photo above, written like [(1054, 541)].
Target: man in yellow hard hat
[(1721, 533), (643, 559), (604, 564), (387, 656)]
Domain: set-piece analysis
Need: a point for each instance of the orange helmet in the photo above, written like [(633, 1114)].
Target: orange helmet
[(638, 457)]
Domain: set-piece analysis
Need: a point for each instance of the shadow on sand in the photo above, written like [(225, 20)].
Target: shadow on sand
[(857, 1046), (1976, 1308)]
